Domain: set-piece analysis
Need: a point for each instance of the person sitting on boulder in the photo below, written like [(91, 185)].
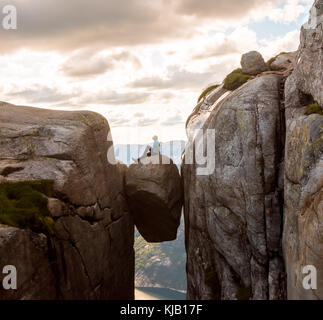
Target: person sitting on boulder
[(150, 151)]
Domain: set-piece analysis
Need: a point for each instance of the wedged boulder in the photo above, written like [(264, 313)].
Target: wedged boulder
[(155, 198), (233, 211), (253, 63), (90, 242), (303, 225)]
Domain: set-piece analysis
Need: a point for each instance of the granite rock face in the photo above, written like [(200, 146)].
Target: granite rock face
[(233, 215), (308, 73), (155, 198), (91, 251), (303, 226), (29, 253), (284, 61), (203, 110), (255, 221), (253, 63)]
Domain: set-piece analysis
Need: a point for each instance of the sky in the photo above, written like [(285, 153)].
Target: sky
[(140, 63)]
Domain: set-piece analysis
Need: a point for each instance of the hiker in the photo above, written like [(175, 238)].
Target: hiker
[(150, 151)]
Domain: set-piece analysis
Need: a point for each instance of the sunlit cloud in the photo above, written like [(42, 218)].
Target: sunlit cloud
[(138, 63)]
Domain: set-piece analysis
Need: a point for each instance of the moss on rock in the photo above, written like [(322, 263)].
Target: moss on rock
[(271, 60), (207, 91), (23, 205), (314, 108), (235, 79)]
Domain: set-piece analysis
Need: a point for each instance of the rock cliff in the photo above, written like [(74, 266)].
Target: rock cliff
[(234, 214), (263, 174), (86, 249), (303, 228)]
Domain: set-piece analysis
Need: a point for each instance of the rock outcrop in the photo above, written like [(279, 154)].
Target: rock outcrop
[(253, 63), (233, 215), (284, 61), (203, 110), (253, 219), (303, 227), (89, 253), (29, 253), (155, 198)]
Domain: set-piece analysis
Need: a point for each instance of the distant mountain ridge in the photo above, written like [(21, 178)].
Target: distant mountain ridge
[(161, 265), (172, 149)]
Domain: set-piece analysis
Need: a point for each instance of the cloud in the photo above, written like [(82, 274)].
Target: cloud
[(217, 50), (85, 64), (68, 25), (224, 9), (288, 42), (147, 121), (62, 25), (80, 66), (138, 115), (119, 120), (231, 11), (289, 12), (177, 78), (166, 96), (226, 44), (77, 98), (125, 56), (139, 119), (111, 97), (41, 94), (173, 120)]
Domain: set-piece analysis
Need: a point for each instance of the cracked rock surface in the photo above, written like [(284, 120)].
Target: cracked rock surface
[(303, 227), (29, 253), (255, 221), (91, 251), (233, 215)]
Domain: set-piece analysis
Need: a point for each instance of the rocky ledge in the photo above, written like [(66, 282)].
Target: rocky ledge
[(75, 237)]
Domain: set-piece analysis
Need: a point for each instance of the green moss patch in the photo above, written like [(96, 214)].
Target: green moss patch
[(23, 205), (235, 79), (314, 108), (206, 91)]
